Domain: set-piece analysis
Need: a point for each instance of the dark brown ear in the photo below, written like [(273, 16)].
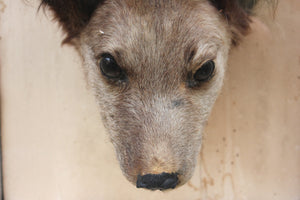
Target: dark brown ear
[(73, 15), (237, 13)]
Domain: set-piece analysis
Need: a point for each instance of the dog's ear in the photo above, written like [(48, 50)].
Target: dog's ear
[(72, 15), (237, 13)]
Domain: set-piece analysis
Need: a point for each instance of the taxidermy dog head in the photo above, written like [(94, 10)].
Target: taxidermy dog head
[(156, 68)]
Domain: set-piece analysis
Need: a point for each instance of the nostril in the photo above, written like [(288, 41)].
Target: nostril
[(157, 181), (140, 183), (169, 183)]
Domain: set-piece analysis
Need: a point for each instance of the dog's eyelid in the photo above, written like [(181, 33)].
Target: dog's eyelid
[(199, 62), (199, 56), (99, 56), (114, 55)]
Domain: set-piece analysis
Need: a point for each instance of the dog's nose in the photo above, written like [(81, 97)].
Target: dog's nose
[(161, 181)]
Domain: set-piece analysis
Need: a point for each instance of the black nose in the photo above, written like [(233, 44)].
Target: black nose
[(157, 181)]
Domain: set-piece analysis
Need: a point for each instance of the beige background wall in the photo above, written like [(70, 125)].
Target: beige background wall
[(55, 148)]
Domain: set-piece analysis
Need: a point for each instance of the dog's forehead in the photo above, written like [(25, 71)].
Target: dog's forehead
[(154, 32)]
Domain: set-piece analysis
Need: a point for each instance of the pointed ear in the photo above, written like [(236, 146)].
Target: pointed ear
[(237, 13), (73, 15)]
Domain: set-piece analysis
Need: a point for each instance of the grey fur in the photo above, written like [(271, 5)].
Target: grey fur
[(155, 120)]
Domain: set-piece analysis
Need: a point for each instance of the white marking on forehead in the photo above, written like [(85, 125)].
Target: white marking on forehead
[(101, 32)]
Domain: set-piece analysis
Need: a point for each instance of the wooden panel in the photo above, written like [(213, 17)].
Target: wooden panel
[(54, 145)]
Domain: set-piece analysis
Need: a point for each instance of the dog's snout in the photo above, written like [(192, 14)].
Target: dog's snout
[(161, 181)]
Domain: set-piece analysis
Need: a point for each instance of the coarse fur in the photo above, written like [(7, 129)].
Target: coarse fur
[(154, 118)]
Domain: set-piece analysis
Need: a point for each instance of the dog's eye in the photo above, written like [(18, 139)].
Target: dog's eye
[(109, 67), (205, 72)]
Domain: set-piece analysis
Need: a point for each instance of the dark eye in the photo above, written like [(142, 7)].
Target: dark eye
[(109, 67), (205, 72)]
